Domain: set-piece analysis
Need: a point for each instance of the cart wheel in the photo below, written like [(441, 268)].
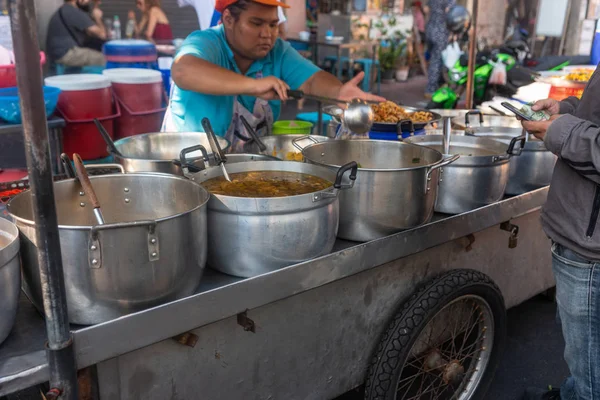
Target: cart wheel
[(443, 343)]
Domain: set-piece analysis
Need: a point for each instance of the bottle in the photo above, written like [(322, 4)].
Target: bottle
[(130, 27), (109, 28), (117, 28)]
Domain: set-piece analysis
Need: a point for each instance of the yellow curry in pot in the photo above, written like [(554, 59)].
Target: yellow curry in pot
[(266, 184)]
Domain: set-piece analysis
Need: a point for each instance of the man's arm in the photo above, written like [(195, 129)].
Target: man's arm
[(97, 29), (197, 75), (568, 105), (576, 142)]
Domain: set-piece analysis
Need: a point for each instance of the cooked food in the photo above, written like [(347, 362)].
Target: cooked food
[(289, 156), (580, 75), (392, 113), (266, 184)]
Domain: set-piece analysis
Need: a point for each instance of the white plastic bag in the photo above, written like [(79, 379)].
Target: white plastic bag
[(498, 76), (451, 54)]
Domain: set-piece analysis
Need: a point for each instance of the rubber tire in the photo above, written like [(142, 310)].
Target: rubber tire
[(412, 317)]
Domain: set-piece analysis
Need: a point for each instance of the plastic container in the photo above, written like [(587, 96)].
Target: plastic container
[(560, 89), (142, 100), (375, 135), (130, 54), (292, 128), (84, 97), (8, 73), (10, 110)]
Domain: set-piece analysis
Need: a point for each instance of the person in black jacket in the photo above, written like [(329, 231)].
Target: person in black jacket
[(70, 29), (570, 219)]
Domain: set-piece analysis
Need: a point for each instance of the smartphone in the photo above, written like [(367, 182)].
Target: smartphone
[(516, 111)]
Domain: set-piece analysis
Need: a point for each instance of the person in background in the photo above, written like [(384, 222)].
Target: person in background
[(419, 19), (437, 35), (154, 25), (570, 219), (72, 27)]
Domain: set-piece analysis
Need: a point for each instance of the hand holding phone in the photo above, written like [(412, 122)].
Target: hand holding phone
[(516, 111)]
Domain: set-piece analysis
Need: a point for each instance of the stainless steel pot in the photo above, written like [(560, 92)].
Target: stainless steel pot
[(253, 236), (282, 146), (478, 178), (532, 169), (475, 119), (395, 189), (154, 152), (151, 250), (10, 276)]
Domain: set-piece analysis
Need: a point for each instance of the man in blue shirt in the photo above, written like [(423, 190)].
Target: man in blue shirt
[(241, 68)]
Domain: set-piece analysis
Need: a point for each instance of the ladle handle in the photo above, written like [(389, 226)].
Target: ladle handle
[(109, 142), (68, 167), (214, 142), (84, 179), (252, 132)]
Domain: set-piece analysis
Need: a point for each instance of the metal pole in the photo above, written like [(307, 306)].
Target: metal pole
[(472, 55), (61, 358)]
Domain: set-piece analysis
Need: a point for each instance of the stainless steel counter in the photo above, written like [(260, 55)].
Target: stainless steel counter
[(22, 359)]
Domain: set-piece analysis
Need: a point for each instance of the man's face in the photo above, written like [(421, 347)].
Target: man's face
[(253, 34), (84, 5)]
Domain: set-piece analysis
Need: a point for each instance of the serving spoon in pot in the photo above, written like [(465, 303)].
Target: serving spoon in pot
[(85, 182), (214, 144), (261, 146)]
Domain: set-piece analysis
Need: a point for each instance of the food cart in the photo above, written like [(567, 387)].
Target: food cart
[(416, 312)]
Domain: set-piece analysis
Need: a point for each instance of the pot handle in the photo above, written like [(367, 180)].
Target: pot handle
[(184, 164), (70, 171), (94, 245), (442, 163), (511, 148), (403, 123), (353, 167), (473, 112), (297, 140)]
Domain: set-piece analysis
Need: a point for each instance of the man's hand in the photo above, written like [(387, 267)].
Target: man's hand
[(270, 88), (350, 90), (97, 14), (551, 106), (539, 128)]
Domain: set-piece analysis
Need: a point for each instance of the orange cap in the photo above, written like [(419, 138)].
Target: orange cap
[(221, 5)]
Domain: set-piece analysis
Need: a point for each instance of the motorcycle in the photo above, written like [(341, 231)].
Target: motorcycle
[(447, 96)]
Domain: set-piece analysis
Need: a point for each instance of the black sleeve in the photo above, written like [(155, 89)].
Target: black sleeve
[(76, 19)]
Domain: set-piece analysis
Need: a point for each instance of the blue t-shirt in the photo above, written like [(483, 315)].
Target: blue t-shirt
[(188, 108)]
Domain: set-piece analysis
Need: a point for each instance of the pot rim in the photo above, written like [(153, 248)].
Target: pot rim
[(386, 142), (156, 160), (281, 204), (141, 174), (8, 252), (465, 160)]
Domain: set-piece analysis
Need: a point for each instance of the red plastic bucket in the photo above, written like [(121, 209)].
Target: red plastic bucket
[(142, 98), (8, 73), (83, 98)]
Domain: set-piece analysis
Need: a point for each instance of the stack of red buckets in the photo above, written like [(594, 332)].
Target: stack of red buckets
[(126, 102)]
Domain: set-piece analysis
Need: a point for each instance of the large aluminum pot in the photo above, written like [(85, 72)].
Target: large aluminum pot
[(155, 152), (532, 169), (478, 178), (151, 250), (10, 276), (252, 236), (395, 189), (475, 119), (282, 146)]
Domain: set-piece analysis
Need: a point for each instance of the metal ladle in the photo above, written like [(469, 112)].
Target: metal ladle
[(214, 144), (109, 142), (358, 116), (86, 184)]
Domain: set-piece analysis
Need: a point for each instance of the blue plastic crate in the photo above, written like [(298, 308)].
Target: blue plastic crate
[(10, 110)]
